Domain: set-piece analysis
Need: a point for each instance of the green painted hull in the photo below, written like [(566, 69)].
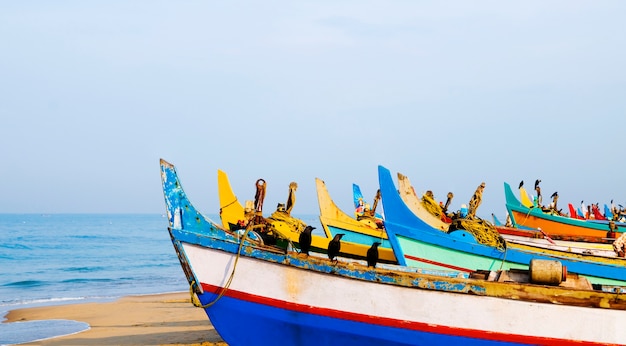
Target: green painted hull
[(430, 256)]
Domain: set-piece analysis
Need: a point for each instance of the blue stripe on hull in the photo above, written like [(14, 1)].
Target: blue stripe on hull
[(242, 322)]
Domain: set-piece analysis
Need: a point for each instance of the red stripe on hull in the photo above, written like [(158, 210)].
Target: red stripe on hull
[(395, 323), (439, 264)]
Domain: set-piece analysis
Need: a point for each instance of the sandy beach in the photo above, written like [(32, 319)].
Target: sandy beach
[(162, 319)]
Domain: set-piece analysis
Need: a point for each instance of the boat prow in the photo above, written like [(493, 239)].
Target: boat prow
[(525, 198), (408, 195), (358, 236), (180, 211), (231, 211)]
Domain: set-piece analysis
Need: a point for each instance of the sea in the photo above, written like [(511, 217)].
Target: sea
[(52, 259)]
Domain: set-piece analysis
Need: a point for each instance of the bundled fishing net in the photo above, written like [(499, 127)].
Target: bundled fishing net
[(290, 221), (429, 203), (484, 232)]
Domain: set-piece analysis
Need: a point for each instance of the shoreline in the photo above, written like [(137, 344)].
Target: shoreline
[(153, 319)]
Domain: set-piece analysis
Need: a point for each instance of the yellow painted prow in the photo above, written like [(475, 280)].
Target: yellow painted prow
[(332, 216), (330, 211), (525, 198), (231, 210)]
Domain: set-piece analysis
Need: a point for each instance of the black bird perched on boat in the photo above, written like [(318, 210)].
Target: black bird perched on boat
[(372, 255), (305, 240), (521, 183), (334, 246)]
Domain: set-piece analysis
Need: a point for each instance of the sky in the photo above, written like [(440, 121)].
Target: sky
[(449, 93)]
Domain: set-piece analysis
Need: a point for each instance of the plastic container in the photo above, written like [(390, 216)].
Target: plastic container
[(547, 272)]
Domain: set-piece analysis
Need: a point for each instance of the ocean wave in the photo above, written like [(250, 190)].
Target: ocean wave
[(85, 269), (25, 283), (40, 302), (88, 236), (84, 280), (171, 264), (15, 246)]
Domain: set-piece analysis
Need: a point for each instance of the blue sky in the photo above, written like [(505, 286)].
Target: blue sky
[(450, 94)]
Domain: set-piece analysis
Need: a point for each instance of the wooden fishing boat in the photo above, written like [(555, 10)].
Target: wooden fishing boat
[(596, 249), (555, 225), (415, 243), (523, 235), (539, 238), (360, 234), (256, 294)]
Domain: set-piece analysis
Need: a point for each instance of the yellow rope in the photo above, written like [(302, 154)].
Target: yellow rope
[(194, 299), (525, 218), (484, 232), (431, 206), (292, 222)]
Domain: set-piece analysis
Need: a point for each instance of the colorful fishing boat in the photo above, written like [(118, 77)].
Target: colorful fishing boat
[(536, 237), (256, 294), (415, 243), (524, 235), (555, 225), (360, 234)]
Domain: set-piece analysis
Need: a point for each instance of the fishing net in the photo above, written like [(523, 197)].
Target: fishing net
[(291, 222), (431, 205), (484, 232)]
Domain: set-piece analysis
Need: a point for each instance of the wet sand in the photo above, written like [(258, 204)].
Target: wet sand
[(162, 319)]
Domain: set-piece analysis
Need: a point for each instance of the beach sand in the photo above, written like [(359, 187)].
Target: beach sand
[(161, 319)]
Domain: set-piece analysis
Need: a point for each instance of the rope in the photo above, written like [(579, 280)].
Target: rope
[(526, 218), (431, 206), (229, 204), (292, 222), (194, 299), (504, 258), (484, 232)]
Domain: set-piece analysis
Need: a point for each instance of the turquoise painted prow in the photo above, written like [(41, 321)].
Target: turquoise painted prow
[(358, 196), (607, 212)]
